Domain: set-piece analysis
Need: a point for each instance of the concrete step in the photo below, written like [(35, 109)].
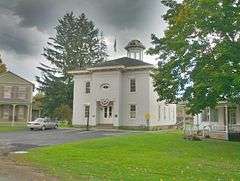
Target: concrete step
[(105, 126)]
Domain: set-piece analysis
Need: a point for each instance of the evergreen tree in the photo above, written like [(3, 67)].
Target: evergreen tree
[(77, 44), (199, 54)]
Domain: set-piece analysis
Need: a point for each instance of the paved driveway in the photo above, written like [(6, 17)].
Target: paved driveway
[(22, 140)]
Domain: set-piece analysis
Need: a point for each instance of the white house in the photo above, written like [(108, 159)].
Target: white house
[(120, 93), (223, 121)]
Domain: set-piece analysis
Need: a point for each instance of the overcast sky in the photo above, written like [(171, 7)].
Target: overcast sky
[(26, 25)]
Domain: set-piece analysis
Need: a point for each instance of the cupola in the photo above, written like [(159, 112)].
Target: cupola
[(135, 49)]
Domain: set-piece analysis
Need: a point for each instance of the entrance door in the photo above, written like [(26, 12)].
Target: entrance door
[(108, 115)]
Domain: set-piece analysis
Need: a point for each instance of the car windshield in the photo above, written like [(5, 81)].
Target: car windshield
[(39, 120)]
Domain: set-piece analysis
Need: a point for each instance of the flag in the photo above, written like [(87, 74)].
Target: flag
[(115, 45)]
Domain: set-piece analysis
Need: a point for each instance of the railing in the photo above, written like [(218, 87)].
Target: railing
[(234, 128), (218, 127), (205, 129), (190, 129)]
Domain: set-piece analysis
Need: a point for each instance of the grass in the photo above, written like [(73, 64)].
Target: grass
[(7, 127), (149, 156)]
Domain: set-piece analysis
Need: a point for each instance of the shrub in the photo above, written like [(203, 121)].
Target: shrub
[(64, 113)]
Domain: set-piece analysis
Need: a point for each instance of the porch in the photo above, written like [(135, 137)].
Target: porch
[(222, 122), (15, 112)]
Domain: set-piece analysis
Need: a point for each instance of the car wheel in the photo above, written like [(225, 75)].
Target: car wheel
[(43, 128), (31, 129)]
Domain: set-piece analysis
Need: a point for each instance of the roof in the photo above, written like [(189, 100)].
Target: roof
[(124, 61), (9, 72), (135, 44)]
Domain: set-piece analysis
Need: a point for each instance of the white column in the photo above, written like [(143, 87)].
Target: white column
[(93, 113), (226, 119), (13, 114), (209, 114), (28, 113)]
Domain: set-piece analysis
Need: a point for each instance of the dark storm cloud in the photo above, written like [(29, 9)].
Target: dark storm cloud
[(126, 14), (15, 38), (39, 13), (119, 14), (25, 25)]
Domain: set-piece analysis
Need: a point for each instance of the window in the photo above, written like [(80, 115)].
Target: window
[(87, 111), (169, 113), (110, 111), (132, 85), (232, 116), (88, 87), (6, 112), (7, 93), (164, 113), (214, 115), (159, 113), (132, 111), (21, 113), (22, 93), (105, 112)]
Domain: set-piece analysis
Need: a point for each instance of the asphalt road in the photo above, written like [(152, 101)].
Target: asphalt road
[(23, 140)]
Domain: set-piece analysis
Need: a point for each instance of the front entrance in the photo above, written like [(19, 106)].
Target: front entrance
[(105, 115)]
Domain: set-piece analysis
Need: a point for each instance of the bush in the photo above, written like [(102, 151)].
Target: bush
[(194, 137), (64, 113)]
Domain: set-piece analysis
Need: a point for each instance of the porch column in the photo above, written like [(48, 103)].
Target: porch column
[(30, 109), (13, 114), (209, 115), (226, 120), (28, 113)]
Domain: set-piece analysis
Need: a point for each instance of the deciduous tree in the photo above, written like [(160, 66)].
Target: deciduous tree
[(199, 53)]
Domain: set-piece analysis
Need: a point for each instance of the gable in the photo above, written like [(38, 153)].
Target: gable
[(11, 78)]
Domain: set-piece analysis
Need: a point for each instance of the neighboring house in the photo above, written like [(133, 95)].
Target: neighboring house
[(223, 121), (15, 98), (120, 93)]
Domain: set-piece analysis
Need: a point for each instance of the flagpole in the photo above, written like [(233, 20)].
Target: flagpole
[(115, 47)]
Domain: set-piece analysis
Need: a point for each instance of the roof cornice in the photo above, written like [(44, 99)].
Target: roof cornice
[(106, 68), (121, 67), (140, 67)]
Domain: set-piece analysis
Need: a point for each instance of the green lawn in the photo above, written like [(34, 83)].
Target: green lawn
[(7, 127), (149, 156)]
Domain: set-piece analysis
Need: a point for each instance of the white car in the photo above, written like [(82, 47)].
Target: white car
[(42, 123)]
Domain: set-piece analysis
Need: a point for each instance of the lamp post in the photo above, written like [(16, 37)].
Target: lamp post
[(88, 122)]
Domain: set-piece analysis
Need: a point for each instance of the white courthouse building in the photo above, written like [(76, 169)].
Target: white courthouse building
[(120, 93)]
